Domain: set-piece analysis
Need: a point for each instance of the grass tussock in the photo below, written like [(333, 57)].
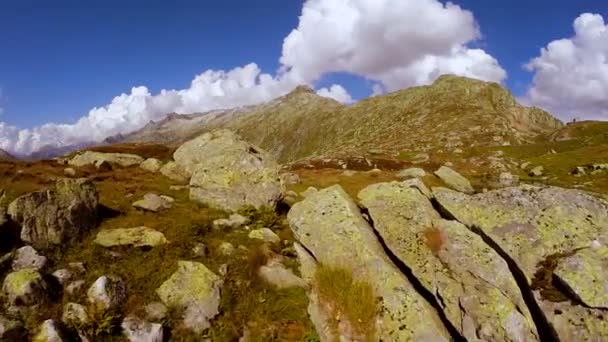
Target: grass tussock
[(349, 298)]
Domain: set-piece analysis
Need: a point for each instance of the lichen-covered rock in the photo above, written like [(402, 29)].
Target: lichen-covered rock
[(586, 273), (234, 221), (536, 226), (174, 172), (95, 158), (49, 332), (74, 315), (136, 237), (330, 226), (12, 330), (454, 180), (536, 172), (138, 330), (25, 287), (52, 217), (414, 172), (156, 311), (229, 173), (290, 178), (151, 165), (194, 289), (471, 281), (264, 234), (28, 257), (275, 273), (153, 202), (107, 292)]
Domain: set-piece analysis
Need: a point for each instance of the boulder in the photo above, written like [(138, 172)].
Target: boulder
[(25, 287), (52, 217), (543, 230), (138, 330), (330, 226), (174, 172), (454, 180), (156, 311), (74, 315), (194, 289), (229, 173), (69, 172), (232, 222), (153, 202), (536, 172), (12, 330), (107, 292), (414, 172), (136, 237), (151, 165), (264, 234), (275, 273), (471, 281), (49, 331), (28, 257), (290, 178), (96, 158)]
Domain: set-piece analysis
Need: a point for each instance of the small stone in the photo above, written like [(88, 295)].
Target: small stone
[(74, 315), (28, 257), (506, 179), (199, 250), (537, 171), (156, 311), (226, 248), (75, 287), (290, 198), (153, 202), (70, 172), (151, 165), (24, 287), (264, 234), (49, 332), (12, 330), (63, 275), (414, 172), (107, 292), (136, 237), (138, 330)]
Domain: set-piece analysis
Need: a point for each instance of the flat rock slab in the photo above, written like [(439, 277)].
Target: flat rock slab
[(136, 237), (96, 158), (454, 180), (154, 203)]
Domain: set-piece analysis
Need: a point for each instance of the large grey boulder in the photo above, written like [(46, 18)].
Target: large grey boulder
[(154, 203), (228, 173), (52, 217), (195, 290), (96, 158), (136, 237), (454, 180), (24, 287), (549, 233), (151, 165), (471, 281), (329, 224)]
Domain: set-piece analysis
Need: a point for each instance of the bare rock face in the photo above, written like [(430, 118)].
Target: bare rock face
[(228, 173), (330, 226), (52, 217), (138, 330), (548, 233)]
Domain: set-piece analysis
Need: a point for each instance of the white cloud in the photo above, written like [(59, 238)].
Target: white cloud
[(571, 75), (336, 92), (398, 43), (394, 43)]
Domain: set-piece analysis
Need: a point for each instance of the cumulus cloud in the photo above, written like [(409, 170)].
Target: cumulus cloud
[(394, 43), (398, 43), (336, 92), (571, 75)]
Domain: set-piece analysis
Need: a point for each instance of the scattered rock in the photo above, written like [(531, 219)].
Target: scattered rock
[(49, 332), (194, 289), (28, 257), (107, 292), (74, 315), (290, 178), (75, 287), (229, 173), (454, 180), (136, 237), (151, 165), (232, 222), (536, 172), (226, 248), (24, 287), (277, 274), (264, 234), (309, 191), (199, 250), (12, 330), (95, 158), (156, 311), (63, 276), (414, 172), (52, 217), (153, 202), (70, 172), (137, 330), (174, 172), (349, 173)]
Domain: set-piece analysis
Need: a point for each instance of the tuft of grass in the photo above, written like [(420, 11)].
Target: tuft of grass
[(101, 322), (349, 298), (264, 217)]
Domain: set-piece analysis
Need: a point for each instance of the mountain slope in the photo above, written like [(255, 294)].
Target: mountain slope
[(451, 113), (5, 155)]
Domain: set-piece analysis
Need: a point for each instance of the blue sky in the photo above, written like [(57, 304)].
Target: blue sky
[(59, 59)]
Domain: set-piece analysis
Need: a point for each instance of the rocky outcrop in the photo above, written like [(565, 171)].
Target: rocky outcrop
[(97, 158), (330, 227), (136, 237), (151, 165), (471, 281), (194, 290), (52, 217), (229, 173), (546, 233)]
